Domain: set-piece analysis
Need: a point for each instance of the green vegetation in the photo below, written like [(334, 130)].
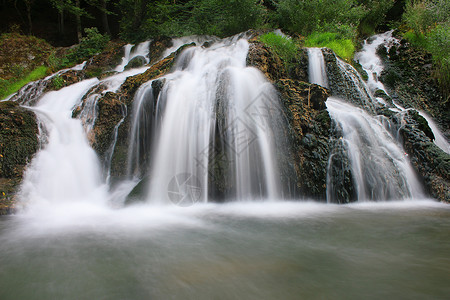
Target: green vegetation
[(178, 18), (342, 47), (93, 43), (284, 47), (8, 87), (428, 23)]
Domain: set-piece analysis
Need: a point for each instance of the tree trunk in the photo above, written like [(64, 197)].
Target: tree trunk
[(28, 4), (105, 17), (78, 21), (61, 28)]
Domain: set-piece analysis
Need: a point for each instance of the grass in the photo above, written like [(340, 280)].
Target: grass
[(342, 47), (284, 47), (9, 87)]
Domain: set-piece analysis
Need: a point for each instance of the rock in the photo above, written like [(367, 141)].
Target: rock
[(136, 62), (65, 79), (18, 144), (105, 61), (310, 127), (429, 160), (411, 82), (345, 82), (158, 47)]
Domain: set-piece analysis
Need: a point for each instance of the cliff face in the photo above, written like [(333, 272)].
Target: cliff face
[(310, 137), (309, 123)]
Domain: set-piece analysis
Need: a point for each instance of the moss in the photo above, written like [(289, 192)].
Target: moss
[(18, 143)]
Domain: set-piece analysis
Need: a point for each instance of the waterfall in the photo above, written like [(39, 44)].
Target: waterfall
[(67, 168), (132, 51), (370, 61), (372, 64), (316, 67), (380, 168), (377, 164), (210, 128)]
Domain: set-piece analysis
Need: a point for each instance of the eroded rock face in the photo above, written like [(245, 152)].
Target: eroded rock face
[(18, 143), (429, 160), (309, 123), (345, 82), (409, 78)]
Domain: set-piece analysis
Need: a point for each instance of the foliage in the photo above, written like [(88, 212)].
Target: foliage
[(375, 14), (8, 87), (284, 47), (341, 46), (57, 82), (178, 18), (308, 16), (423, 15), (92, 44), (225, 17), (56, 62), (429, 23)]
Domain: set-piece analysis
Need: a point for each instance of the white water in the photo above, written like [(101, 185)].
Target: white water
[(439, 139), (132, 51), (66, 169), (316, 68), (372, 64), (380, 168), (209, 82)]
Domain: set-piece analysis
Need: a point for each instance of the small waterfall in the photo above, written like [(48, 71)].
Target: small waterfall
[(366, 149), (67, 168), (439, 139), (370, 61), (380, 168), (316, 67), (372, 64), (132, 51), (209, 124)]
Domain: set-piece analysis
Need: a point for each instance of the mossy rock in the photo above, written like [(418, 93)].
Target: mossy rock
[(18, 144)]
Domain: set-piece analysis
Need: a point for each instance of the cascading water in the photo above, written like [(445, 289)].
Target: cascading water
[(211, 123), (373, 65), (67, 168), (370, 61), (379, 167), (133, 51), (316, 67)]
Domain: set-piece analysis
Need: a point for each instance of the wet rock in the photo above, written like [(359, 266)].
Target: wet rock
[(409, 79), (345, 82), (309, 126), (340, 184), (115, 105), (268, 62), (18, 144), (429, 160), (158, 47), (105, 61), (136, 62), (65, 79)]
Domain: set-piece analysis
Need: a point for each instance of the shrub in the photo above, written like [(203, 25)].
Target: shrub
[(92, 44)]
